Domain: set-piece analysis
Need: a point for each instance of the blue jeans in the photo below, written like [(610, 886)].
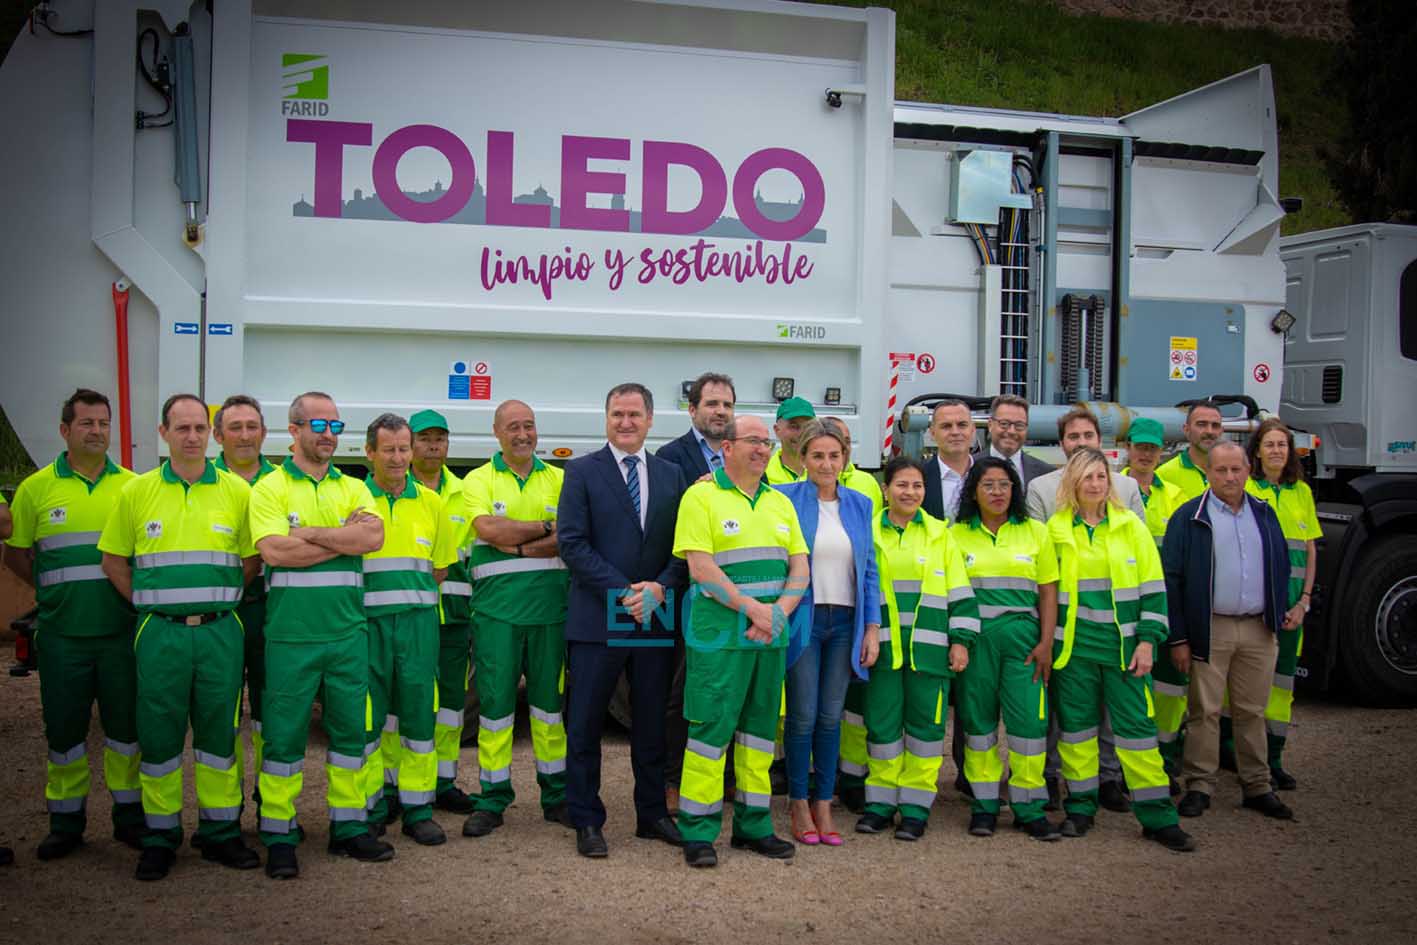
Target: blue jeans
[(816, 694)]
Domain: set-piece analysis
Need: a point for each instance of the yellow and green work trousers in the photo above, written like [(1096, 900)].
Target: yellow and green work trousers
[(1079, 690), (731, 698), (74, 672), (403, 701), (252, 614), (1170, 688), (853, 763), (505, 653), (998, 682), (454, 662), (189, 672), (339, 670), (905, 735)]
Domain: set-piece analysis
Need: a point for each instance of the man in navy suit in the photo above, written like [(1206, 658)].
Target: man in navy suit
[(616, 525), (700, 451)]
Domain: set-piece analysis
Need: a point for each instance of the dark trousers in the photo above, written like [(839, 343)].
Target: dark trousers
[(594, 669)]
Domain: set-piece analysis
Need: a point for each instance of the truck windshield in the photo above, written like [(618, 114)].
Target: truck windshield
[(1407, 311)]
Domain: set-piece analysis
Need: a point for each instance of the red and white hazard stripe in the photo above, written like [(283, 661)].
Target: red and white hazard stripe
[(890, 409)]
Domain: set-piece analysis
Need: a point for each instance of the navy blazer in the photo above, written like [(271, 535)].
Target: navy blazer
[(856, 519), (686, 454), (1187, 557), (604, 548)]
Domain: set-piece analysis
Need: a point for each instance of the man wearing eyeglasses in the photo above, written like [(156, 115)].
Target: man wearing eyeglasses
[(312, 526), (1008, 429)]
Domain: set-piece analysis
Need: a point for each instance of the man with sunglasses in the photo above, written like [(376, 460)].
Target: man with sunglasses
[(312, 525)]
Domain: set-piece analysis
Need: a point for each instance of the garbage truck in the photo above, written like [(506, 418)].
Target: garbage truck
[(441, 204)]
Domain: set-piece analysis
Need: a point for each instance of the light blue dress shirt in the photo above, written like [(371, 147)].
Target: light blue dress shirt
[(714, 457), (1239, 559)]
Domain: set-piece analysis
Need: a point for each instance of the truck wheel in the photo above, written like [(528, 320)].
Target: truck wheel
[(1379, 638)]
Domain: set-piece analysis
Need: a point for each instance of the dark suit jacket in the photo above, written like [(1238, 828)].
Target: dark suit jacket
[(685, 453), (1033, 468), (934, 501), (601, 542)]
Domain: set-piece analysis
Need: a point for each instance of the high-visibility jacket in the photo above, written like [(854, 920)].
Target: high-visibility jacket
[(924, 586), (186, 540), (61, 515), (1006, 568), (864, 483), (417, 539), (1185, 475), (1160, 503), (1123, 588), (1298, 519)]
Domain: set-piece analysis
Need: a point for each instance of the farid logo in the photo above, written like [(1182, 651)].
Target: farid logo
[(306, 83), (802, 332)]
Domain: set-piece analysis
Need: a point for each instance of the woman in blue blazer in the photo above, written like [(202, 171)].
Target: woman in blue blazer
[(835, 631)]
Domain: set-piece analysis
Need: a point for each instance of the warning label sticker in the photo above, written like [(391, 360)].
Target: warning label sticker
[(1183, 359), (469, 380)]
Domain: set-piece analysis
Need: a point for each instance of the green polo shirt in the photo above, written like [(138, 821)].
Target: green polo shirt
[(751, 537), (186, 540), (61, 515), (506, 587), (324, 602)]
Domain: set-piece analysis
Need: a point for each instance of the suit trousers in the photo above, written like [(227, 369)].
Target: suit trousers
[(1242, 657)]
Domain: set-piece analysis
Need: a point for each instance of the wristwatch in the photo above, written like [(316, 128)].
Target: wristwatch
[(546, 526)]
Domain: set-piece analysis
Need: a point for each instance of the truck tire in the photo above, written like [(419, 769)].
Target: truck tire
[(1379, 637)]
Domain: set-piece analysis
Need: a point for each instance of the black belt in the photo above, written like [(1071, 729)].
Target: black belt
[(1258, 616), (193, 620)]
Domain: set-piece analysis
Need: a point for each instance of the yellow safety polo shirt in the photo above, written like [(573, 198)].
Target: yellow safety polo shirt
[(61, 515), (506, 587), (1298, 519), (751, 538), (864, 483), (417, 539), (1006, 569), (265, 469), (455, 593), (186, 540), (326, 601), (1160, 503), (777, 474), (1184, 475)]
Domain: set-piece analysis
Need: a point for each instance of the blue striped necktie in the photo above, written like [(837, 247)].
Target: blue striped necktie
[(632, 481)]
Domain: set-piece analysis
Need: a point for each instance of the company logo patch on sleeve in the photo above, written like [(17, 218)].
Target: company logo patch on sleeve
[(499, 508), (293, 519), (153, 529), (968, 561)]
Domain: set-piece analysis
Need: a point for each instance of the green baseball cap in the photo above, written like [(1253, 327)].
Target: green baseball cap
[(794, 407), (427, 420), (1145, 430)]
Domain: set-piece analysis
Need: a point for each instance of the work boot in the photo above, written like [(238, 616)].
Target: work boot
[(131, 835), (455, 801), (481, 822), (154, 863), (700, 854), (1039, 829), (853, 799), (1282, 780), (1193, 804), (982, 824), (774, 848), (1113, 797), (873, 823), (911, 828), (1171, 837), (362, 847), (58, 845), (1075, 825), (425, 833), (1055, 794), (233, 853), (1270, 805), (394, 811), (281, 862)]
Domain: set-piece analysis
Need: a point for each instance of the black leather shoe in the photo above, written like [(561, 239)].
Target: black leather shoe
[(700, 854), (1270, 805), (911, 828), (982, 825), (1193, 804), (377, 828), (559, 814), (873, 823), (362, 847), (1040, 829), (963, 786), (425, 833), (455, 801), (131, 835), (1282, 780), (1113, 797), (662, 829), (281, 862), (1171, 837), (1075, 825), (154, 863), (774, 848), (481, 822), (58, 845), (853, 799), (233, 853), (1055, 794), (590, 842)]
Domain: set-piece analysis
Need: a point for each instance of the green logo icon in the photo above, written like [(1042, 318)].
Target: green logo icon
[(305, 75), (782, 331)]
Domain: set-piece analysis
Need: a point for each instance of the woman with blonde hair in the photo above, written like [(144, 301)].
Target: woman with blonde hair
[(1111, 618)]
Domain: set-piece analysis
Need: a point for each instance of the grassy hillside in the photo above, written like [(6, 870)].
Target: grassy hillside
[(1026, 54)]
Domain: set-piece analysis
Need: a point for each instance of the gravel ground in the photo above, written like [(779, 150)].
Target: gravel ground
[(1341, 873)]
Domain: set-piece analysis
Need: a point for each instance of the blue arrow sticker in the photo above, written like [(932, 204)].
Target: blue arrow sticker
[(219, 328), (186, 328)]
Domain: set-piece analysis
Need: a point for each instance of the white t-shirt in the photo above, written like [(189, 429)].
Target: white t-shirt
[(833, 565)]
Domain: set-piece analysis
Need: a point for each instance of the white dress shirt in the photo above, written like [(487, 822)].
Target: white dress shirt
[(642, 469), (951, 485), (1016, 459)]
